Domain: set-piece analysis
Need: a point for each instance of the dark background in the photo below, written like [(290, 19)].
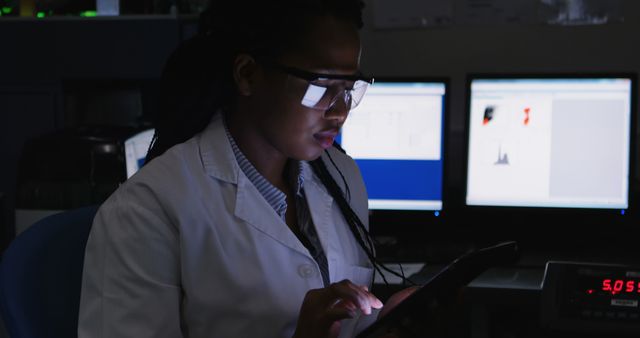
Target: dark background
[(64, 71)]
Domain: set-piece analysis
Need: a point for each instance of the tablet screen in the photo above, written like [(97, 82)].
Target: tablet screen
[(441, 290)]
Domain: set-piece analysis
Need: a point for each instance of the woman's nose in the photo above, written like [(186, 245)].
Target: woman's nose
[(339, 110)]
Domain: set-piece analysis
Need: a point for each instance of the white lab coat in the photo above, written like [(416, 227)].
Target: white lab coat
[(188, 247)]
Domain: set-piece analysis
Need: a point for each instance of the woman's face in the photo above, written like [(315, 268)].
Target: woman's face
[(285, 124)]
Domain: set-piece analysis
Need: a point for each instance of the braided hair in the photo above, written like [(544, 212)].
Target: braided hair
[(198, 81)]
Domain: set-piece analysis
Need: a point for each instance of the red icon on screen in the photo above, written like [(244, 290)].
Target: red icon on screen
[(526, 116), (489, 111)]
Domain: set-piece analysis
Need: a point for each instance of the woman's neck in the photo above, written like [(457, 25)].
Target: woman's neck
[(268, 161)]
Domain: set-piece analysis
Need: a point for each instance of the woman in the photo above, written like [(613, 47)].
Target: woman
[(247, 221)]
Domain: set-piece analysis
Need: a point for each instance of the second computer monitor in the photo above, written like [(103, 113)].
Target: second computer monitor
[(550, 142), (396, 137)]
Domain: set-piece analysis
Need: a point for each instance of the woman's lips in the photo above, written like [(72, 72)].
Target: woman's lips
[(326, 138)]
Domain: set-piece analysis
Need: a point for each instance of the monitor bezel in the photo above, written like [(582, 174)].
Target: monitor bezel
[(403, 224), (528, 222)]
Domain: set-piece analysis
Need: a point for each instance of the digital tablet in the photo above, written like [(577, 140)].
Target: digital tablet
[(413, 313)]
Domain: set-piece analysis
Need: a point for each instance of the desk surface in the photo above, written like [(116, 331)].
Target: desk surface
[(499, 278)]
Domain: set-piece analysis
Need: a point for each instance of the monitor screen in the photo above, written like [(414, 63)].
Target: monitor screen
[(549, 142), (135, 149), (396, 137)]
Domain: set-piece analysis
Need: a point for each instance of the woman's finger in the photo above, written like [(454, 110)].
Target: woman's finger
[(360, 297)]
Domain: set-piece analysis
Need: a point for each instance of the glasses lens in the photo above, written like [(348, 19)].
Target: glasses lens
[(351, 97), (357, 93), (313, 96), (322, 95)]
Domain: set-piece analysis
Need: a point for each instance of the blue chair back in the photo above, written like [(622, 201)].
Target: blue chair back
[(41, 276)]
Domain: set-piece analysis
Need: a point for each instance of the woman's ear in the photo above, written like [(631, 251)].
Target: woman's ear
[(245, 70)]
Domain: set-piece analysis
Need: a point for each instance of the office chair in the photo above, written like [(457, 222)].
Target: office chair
[(41, 276)]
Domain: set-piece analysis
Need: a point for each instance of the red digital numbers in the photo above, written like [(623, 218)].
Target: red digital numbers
[(615, 286)]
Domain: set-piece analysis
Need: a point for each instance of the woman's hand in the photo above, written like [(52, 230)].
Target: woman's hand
[(322, 309), (395, 299), (392, 302)]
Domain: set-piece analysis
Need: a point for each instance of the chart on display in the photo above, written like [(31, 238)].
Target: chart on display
[(554, 142)]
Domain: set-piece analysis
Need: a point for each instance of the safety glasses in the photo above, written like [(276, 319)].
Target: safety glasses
[(324, 91)]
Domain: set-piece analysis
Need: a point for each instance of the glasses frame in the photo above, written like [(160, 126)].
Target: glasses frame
[(311, 76)]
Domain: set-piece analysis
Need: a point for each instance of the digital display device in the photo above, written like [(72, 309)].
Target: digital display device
[(615, 286), (396, 137), (591, 297), (549, 142), (135, 149)]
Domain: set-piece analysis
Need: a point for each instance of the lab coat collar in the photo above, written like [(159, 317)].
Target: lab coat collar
[(220, 163), (216, 153)]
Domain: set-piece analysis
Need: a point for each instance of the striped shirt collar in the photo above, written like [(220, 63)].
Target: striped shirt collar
[(274, 196)]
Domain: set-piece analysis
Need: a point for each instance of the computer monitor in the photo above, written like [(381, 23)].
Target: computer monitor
[(396, 136), (550, 145), (135, 148)]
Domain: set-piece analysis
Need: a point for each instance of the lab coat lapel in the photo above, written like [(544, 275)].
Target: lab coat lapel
[(252, 208), (220, 163), (321, 204)]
